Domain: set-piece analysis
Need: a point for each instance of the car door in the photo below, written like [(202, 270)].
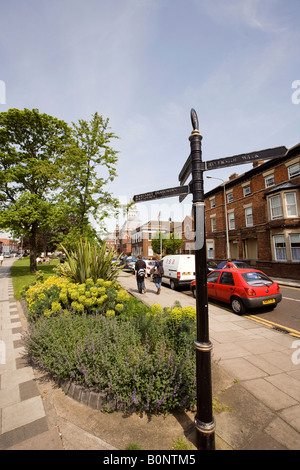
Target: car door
[(212, 280), (225, 286)]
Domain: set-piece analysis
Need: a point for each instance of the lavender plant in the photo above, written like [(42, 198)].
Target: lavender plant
[(141, 370)]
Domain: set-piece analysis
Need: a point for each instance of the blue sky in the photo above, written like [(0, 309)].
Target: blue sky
[(144, 64)]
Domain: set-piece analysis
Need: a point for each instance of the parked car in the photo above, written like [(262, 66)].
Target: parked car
[(211, 265), (238, 264), (130, 263), (242, 288), (149, 265)]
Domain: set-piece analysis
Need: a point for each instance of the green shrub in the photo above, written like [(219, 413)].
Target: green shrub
[(117, 357), (89, 262), (56, 295), (97, 335)]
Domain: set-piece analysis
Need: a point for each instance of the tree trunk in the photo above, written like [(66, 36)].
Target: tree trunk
[(33, 244)]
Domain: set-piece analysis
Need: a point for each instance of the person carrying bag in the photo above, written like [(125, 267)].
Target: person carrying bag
[(157, 273), (140, 274)]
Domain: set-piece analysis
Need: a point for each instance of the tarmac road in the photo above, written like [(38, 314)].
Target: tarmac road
[(285, 316)]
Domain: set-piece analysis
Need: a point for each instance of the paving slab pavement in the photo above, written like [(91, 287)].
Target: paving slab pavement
[(256, 386)]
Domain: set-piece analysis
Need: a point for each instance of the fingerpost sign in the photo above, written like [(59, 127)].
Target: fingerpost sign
[(194, 167)]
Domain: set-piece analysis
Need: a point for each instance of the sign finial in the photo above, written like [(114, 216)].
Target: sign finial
[(194, 119)]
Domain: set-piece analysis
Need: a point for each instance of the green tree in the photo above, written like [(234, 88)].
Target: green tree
[(53, 177), (91, 164), (32, 147), (170, 242)]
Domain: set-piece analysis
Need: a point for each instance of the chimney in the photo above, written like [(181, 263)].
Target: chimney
[(257, 163), (233, 176)]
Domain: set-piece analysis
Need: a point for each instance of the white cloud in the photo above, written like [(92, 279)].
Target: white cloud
[(254, 14)]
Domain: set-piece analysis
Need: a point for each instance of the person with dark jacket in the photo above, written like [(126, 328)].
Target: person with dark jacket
[(140, 274), (157, 272)]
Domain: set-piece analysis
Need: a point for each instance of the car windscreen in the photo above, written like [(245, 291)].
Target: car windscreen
[(257, 279)]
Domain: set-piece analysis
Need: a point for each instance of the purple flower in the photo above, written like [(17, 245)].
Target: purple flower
[(135, 400)]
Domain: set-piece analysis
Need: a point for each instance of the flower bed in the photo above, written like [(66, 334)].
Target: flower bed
[(97, 336)]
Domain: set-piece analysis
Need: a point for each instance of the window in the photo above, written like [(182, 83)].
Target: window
[(231, 222), (294, 170), (269, 181), (276, 207), (212, 203), (290, 204), (213, 223), (249, 217), (210, 250), (227, 279), (246, 190), (229, 197), (213, 277), (279, 247), (295, 246), (256, 279)]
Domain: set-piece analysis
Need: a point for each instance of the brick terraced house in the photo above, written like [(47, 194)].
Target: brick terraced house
[(263, 216)]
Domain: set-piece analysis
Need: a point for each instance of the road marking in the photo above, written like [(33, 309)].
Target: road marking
[(273, 325), (289, 298)]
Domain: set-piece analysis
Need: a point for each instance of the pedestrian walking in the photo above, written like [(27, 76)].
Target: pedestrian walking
[(157, 271), (1, 259), (140, 274)]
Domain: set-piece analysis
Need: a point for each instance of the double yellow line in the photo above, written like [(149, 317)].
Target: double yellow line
[(274, 325)]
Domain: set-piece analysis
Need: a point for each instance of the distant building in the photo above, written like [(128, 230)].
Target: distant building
[(8, 244), (142, 236)]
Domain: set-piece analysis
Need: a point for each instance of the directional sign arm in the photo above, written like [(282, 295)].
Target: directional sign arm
[(186, 171), (162, 193), (246, 158)]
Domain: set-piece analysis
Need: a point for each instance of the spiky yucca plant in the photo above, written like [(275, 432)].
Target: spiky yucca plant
[(89, 262)]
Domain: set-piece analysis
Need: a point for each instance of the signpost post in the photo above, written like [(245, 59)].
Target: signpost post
[(204, 421)]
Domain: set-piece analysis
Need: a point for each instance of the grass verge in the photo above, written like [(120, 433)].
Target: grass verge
[(21, 277)]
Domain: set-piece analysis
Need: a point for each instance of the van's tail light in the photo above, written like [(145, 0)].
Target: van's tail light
[(250, 291), (178, 275)]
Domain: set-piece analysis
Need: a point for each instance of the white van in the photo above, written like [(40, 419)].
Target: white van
[(179, 270)]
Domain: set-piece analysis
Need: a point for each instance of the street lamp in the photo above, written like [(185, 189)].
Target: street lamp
[(226, 220)]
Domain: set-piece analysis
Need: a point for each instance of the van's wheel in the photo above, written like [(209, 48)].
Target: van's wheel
[(172, 285), (237, 306)]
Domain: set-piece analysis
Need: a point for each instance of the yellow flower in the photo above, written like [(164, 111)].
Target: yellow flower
[(110, 313), (102, 299), (156, 309), (56, 307), (94, 291), (123, 296)]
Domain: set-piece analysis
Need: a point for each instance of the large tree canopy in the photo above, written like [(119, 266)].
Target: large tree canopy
[(31, 153), (49, 177)]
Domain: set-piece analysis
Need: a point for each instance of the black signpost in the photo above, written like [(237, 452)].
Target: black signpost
[(204, 421)]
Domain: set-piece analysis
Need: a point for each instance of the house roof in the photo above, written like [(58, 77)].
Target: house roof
[(283, 187)]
